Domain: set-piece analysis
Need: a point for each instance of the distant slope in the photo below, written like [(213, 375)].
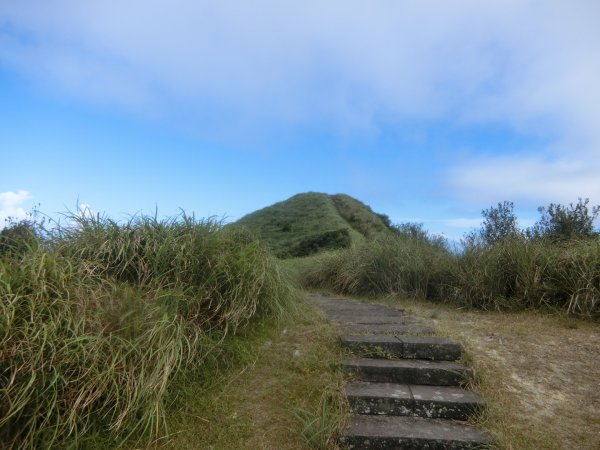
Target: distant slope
[(311, 222)]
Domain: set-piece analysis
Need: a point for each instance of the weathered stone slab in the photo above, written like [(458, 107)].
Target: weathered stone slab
[(407, 347), (430, 347), (413, 400), (374, 346), (379, 398), (368, 319), (445, 402), (387, 329), (408, 371), (344, 306), (395, 432)]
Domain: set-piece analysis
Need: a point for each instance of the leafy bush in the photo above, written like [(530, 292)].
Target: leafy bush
[(562, 223), (18, 237), (499, 223)]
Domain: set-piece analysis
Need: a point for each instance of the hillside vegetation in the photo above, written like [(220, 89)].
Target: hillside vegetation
[(98, 320), (308, 223), (555, 264)]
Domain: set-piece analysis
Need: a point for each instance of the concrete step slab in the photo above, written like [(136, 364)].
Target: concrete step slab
[(368, 319), (438, 402), (395, 432), (373, 346), (408, 371), (408, 347), (430, 347), (394, 329)]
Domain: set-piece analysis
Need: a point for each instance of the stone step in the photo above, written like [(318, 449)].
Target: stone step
[(412, 347), (387, 328), (377, 319), (438, 402), (408, 371), (396, 432)]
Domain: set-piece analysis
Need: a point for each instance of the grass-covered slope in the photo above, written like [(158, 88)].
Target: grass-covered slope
[(310, 222), (99, 320)]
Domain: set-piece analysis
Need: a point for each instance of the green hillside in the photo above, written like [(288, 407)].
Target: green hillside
[(311, 222)]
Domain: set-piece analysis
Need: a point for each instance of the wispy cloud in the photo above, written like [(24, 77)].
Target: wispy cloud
[(11, 205), (531, 178), (228, 67), (345, 62)]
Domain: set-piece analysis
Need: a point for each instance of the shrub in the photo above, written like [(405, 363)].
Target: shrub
[(17, 238), (562, 223), (499, 223)]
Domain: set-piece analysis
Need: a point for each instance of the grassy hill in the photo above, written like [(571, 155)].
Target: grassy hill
[(310, 222)]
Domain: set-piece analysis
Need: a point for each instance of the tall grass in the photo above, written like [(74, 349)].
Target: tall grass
[(389, 264), (531, 273), (510, 274), (99, 318)]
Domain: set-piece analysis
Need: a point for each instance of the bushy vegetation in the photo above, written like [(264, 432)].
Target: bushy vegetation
[(98, 319), (312, 222), (388, 264), (563, 223), (556, 264)]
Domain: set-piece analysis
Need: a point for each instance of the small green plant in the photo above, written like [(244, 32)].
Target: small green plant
[(319, 426)]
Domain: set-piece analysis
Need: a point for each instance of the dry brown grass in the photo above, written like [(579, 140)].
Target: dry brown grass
[(539, 374)]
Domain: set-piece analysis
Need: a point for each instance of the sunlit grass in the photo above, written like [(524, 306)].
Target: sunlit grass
[(509, 275), (98, 319), (276, 386)]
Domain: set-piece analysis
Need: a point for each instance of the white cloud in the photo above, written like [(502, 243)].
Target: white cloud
[(342, 62), (533, 178), (229, 67), (11, 205), (85, 211)]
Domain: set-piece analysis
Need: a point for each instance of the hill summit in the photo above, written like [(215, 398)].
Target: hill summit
[(311, 222)]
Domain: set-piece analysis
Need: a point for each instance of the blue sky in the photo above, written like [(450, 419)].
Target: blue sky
[(428, 111)]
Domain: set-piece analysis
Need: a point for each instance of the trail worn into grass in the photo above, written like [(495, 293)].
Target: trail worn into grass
[(284, 393), (538, 373)]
